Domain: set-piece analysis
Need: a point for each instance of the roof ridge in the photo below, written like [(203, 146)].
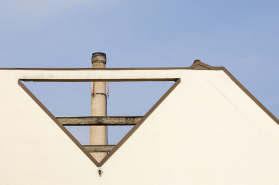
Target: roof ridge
[(197, 64)]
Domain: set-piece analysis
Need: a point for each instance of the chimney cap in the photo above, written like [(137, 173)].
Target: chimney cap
[(99, 54), (99, 57)]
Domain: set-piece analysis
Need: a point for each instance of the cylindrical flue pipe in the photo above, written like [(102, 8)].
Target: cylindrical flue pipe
[(98, 106)]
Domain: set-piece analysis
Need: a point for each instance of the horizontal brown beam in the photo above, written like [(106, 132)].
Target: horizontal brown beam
[(99, 120), (101, 80), (98, 148)]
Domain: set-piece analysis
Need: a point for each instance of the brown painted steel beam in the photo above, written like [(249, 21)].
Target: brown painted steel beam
[(98, 148), (99, 120)]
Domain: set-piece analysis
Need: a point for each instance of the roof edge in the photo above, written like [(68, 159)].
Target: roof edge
[(249, 94)]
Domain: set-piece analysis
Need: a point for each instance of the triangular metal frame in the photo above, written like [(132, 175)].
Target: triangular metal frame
[(120, 143)]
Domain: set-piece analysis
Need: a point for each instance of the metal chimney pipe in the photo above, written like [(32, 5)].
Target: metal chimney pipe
[(98, 106)]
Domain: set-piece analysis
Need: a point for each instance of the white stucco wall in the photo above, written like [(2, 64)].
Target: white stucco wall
[(207, 131)]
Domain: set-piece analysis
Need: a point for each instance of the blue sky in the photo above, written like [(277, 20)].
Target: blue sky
[(240, 35)]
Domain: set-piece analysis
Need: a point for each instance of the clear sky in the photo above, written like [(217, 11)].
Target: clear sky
[(240, 35)]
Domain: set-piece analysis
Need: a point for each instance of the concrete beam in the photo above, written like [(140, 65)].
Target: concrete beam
[(98, 148), (99, 120)]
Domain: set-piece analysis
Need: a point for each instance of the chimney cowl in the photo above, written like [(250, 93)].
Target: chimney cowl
[(99, 57)]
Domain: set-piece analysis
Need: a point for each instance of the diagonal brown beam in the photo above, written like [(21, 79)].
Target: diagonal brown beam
[(99, 120), (98, 148)]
